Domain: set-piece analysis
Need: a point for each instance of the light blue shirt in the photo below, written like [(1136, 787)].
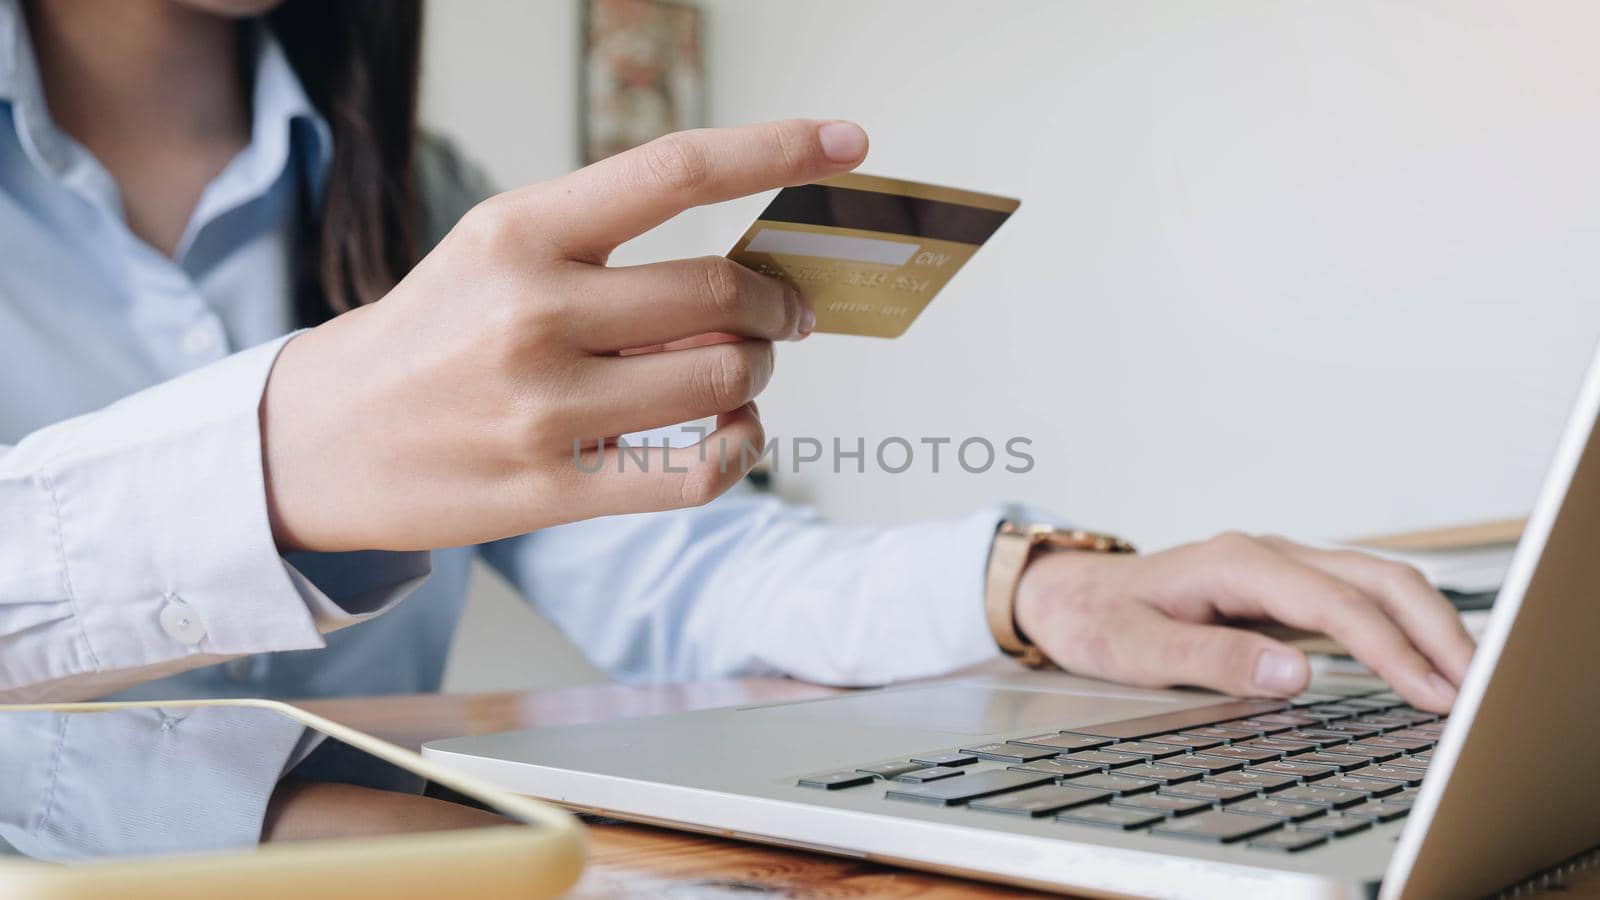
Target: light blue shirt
[(135, 552)]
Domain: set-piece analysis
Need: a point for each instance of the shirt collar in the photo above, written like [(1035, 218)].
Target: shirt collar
[(283, 117), (10, 23), (20, 86), (280, 106)]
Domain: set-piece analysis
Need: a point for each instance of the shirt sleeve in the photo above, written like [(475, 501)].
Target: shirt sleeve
[(140, 782), (751, 585), (134, 544)]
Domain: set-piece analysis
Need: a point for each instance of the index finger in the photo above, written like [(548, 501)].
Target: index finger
[(620, 198), (1255, 581), (1429, 620)]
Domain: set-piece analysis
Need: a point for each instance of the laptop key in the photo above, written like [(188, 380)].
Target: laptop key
[(1335, 824), (1252, 753), (1310, 699), (1333, 712), (1121, 785), (931, 773), (945, 758), (1283, 745), (954, 791), (1146, 749), (1368, 703), (1409, 745), (1263, 728), (833, 781), (1379, 811), (1351, 730), (1423, 733), (1331, 797), (1209, 790), (1288, 841), (1062, 743), (1182, 720), (1348, 689), (1013, 753), (1306, 771), (1272, 807), (1161, 773), (1122, 818), (1341, 761), (1384, 722), (891, 770), (1211, 765), (1409, 762), (1407, 777), (1372, 787), (1262, 781), (1109, 759), (1060, 768), (1040, 801), (1298, 718), (1405, 797), (1217, 826), (1192, 741), (1322, 737), (1226, 732), (1372, 753), (1166, 804)]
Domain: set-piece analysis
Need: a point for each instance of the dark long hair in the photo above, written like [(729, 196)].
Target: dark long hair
[(359, 61)]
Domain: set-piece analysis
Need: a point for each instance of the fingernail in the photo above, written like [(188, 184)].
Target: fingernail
[(843, 142), (808, 322), (1278, 672), (1443, 688)]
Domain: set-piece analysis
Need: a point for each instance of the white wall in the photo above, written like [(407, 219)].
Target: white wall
[(500, 76), (1323, 268), (1320, 268)]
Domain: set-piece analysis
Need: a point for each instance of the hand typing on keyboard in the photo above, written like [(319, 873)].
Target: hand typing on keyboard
[(1153, 620)]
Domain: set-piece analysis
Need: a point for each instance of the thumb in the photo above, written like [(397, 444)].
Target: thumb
[(1230, 660)]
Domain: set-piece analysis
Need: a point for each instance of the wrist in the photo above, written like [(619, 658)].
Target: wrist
[(309, 425), (1030, 568), (278, 441), (1050, 581)]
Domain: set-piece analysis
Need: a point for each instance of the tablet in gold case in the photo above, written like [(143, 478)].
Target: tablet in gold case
[(538, 854)]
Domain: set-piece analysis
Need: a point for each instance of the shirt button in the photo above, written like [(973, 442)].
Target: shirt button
[(199, 340), (182, 623)]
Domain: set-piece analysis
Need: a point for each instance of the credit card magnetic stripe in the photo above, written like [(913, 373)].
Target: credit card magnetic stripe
[(829, 206), (870, 253)]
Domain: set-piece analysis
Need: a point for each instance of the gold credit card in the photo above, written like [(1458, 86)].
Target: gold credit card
[(870, 253)]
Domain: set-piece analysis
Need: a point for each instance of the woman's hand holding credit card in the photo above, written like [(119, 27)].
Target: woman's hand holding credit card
[(870, 253), (503, 353)]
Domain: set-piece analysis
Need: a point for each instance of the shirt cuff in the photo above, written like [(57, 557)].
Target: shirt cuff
[(947, 572), (864, 607), (152, 514), (343, 589)]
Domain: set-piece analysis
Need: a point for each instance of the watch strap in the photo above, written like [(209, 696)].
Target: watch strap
[(1013, 548)]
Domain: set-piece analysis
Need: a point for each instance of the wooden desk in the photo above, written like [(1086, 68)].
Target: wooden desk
[(628, 860)]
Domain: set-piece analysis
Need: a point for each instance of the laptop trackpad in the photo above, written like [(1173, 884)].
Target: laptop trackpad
[(971, 708)]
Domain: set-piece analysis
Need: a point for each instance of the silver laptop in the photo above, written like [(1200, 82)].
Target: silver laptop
[(1057, 782)]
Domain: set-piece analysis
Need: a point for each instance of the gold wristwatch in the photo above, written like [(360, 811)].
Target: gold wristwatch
[(1014, 546)]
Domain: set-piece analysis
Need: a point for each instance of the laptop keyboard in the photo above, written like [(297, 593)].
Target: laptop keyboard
[(1279, 776)]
